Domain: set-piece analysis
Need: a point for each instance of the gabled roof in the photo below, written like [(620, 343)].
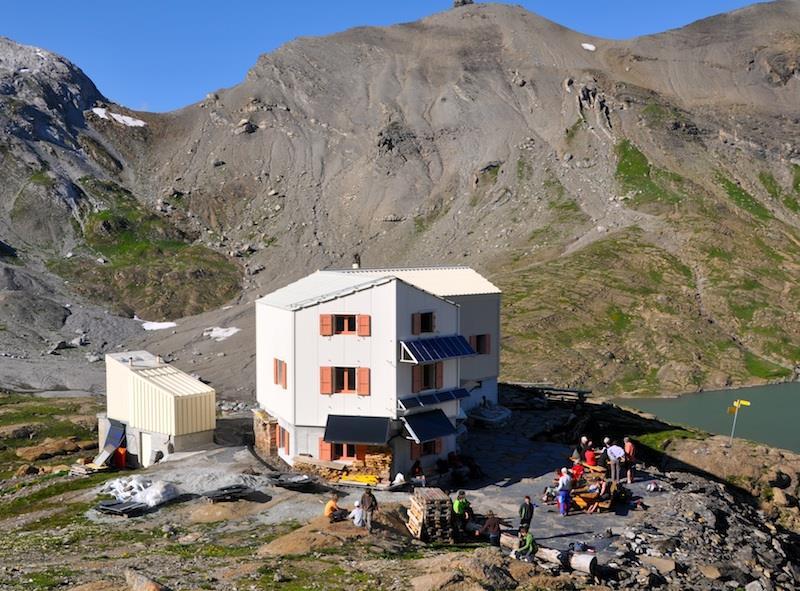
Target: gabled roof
[(323, 286), (441, 281), (319, 287)]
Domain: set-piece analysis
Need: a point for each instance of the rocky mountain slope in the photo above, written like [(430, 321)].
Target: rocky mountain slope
[(638, 201)]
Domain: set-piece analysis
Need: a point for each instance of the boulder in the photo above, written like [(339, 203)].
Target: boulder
[(97, 586), (709, 571), (26, 470), (138, 581), (778, 479), (754, 586), (47, 449), (662, 565), (19, 431), (435, 581), (782, 499)]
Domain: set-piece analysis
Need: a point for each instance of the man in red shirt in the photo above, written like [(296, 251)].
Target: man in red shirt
[(630, 458), (590, 456)]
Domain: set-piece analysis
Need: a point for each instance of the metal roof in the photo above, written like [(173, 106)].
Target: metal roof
[(323, 286), (428, 426), (319, 287), (136, 359), (441, 281), (434, 349), (173, 381)]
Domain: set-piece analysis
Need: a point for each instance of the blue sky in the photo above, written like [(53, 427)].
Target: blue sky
[(160, 55)]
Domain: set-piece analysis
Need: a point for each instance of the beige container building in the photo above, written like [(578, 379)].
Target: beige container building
[(162, 408)]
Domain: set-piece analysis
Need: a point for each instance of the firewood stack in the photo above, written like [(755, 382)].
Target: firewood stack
[(379, 464), (430, 515)]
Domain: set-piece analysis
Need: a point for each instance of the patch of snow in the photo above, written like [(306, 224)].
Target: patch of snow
[(123, 119), (129, 121), (589, 47), (154, 325), (220, 334), (24, 70)]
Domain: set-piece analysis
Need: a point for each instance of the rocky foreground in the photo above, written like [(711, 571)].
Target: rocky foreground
[(701, 530)]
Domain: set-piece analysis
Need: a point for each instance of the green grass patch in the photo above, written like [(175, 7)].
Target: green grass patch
[(796, 178), (635, 174), (761, 368), (43, 498), (52, 578), (524, 170), (41, 178), (620, 321), (573, 130), (659, 440), (770, 184), (745, 311), (743, 199), (715, 252)]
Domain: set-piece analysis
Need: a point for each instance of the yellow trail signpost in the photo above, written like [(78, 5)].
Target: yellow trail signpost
[(734, 410)]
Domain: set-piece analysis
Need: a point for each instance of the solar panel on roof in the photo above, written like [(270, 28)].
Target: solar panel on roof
[(412, 402), (428, 399), (445, 396), (460, 393), (437, 348)]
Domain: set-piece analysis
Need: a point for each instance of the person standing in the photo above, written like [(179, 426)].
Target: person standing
[(630, 458), (491, 528), (526, 512), (562, 492), (462, 510), (369, 504), (590, 457), (615, 455)]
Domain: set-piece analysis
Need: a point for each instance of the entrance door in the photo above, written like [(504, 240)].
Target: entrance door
[(146, 449)]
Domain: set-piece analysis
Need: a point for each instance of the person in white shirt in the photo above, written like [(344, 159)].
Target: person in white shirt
[(562, 492), (615, 456), (357, 515)]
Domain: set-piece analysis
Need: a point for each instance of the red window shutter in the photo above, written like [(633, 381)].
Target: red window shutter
[(364, 323), (361, 452), (362, 381), (286, 442), (416, 378), (439, 375), (326, 380), (416, 323), (473, 342), (325, 450), (275, 370), (280, 436), (283, 374), (438, 446), (326, 325), (416, 451), (488, 340)]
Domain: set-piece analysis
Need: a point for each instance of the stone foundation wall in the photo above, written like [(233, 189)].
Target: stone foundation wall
[(265, 431)]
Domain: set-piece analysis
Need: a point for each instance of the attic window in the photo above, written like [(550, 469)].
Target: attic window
[(426, 322)]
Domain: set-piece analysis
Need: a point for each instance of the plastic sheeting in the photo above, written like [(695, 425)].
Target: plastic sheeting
[(139, 489)]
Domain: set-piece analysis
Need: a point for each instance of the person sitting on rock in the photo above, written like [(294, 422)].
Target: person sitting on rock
[(332, 510), (603, 494), (527, 545), (357, 515)]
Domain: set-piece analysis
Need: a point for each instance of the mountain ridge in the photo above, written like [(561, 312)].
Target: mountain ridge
[(483, 135)]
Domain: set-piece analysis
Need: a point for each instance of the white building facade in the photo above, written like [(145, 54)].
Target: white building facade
[(353, 360)]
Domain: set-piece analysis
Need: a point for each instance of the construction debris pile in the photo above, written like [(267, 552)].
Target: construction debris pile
[(430, 515), (138, 489)]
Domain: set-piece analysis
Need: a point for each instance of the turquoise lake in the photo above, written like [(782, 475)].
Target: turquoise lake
[(773, 418)]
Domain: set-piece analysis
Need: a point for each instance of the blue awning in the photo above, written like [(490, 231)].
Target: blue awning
[(428, 426), (435, 349), (433, 398)]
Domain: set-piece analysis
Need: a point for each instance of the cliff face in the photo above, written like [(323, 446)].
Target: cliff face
[(637, 201)]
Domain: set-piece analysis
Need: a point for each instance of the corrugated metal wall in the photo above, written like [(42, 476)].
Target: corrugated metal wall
[(117, 389), (195, 413), (151, 409)]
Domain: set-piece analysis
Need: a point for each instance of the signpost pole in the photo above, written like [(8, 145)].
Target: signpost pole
[(735, 416)]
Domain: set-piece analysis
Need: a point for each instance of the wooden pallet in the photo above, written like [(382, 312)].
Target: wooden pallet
[(430, 515)]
